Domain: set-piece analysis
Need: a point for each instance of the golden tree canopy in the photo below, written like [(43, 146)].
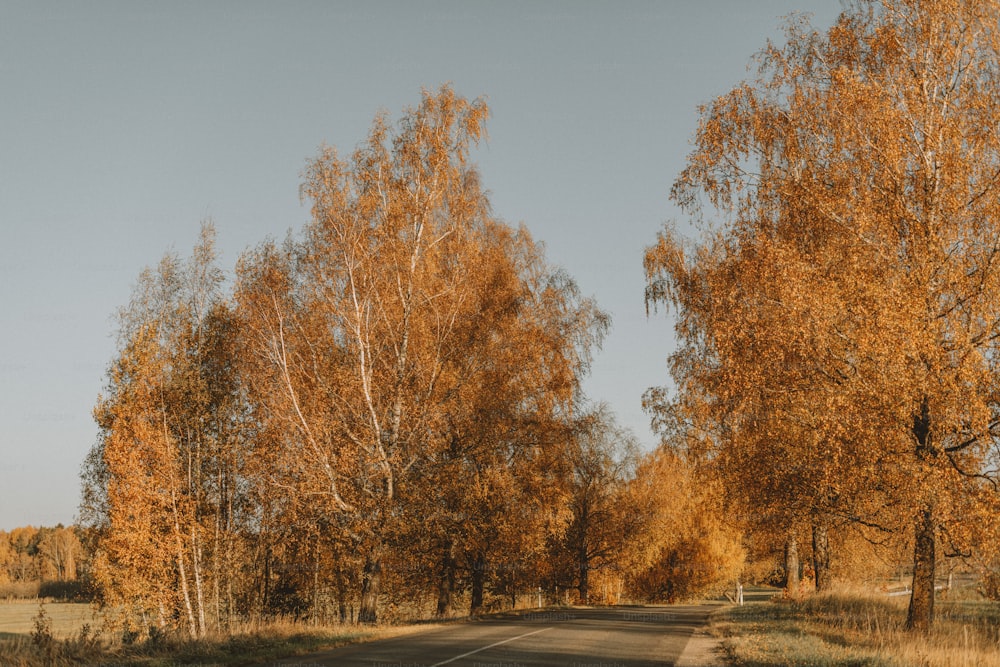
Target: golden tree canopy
[(840, 326)]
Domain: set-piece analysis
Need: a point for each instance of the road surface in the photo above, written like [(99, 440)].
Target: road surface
[(605, 637)]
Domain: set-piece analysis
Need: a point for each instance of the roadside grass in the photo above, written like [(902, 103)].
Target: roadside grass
[(854, 630), (249, 644)]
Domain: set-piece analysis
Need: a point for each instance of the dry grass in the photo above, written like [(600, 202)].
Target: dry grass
[(68, 618), (851, 629), (74, 642)]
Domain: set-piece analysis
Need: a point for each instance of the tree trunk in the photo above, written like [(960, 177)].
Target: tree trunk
[(821, 557), (181, 570), (371, 578), (341, 595), (192, 628), (582, 557), (229, 561), (265, 591), (315, 583), (218, 569), (195, 485), (446, 581), (792, 566), (198, 587), (920, 616), (478, 582)]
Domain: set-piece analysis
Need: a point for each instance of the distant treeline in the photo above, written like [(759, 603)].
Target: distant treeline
[(44, 563)]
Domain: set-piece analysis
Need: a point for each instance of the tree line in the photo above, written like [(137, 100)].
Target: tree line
[(839, 318), (43, 562), (381, 415)]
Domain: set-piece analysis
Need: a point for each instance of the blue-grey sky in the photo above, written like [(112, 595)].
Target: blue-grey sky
[(124, 124)]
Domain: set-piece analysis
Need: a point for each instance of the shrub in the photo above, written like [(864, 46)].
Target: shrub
[(19, 590), (41, 632)]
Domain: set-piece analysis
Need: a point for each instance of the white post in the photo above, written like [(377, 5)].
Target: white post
[(539, 597)]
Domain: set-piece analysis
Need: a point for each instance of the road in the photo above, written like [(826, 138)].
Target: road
[(605, 637)]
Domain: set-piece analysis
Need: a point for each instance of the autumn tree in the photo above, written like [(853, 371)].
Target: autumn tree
[(360, 329), (159, 483), (22, 564), (45, 561), (684, 543), (514, 378), (410, 354), (60, 549), (602, 523), (387, 399), (843, 320), (353, 335), (7, 558)]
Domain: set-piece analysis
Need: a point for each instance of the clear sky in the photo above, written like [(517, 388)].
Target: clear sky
[(124, 124)]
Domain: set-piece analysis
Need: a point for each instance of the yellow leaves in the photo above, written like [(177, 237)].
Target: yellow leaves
[(685, 547), (408, 354)]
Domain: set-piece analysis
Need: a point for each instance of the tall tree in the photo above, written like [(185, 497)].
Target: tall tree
[(402, 375), (159, 483), (408, 333), (515, 379), (853, 291), (378, 278), (602, 521), (358, 323)]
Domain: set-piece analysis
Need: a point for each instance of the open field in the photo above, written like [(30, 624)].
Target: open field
[(67, 618), (73, 644), (849, 629)]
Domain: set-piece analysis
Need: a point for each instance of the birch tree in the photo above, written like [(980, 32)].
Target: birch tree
[(376, 286), (159, 482), (411, 353)]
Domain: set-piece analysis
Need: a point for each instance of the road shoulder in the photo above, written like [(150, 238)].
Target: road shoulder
[(702, 650)]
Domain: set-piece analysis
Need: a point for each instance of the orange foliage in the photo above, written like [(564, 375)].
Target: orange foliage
[(687, 548), (839, 328), (388, 399)]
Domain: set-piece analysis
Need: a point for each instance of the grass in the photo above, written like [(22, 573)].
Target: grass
[(67, 618), (69, 639), (853, 630)]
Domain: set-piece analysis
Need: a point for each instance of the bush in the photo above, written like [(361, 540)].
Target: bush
[(989, 584), (64, 591), (41, 632)]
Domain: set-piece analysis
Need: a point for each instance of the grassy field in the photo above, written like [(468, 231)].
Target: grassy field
[(850, 629), (76, 639), (67, 618)]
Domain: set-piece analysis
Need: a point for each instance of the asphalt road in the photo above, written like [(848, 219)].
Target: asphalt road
[(606, 637)]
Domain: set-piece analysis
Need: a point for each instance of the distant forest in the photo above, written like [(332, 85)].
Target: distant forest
[(44, 563)]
